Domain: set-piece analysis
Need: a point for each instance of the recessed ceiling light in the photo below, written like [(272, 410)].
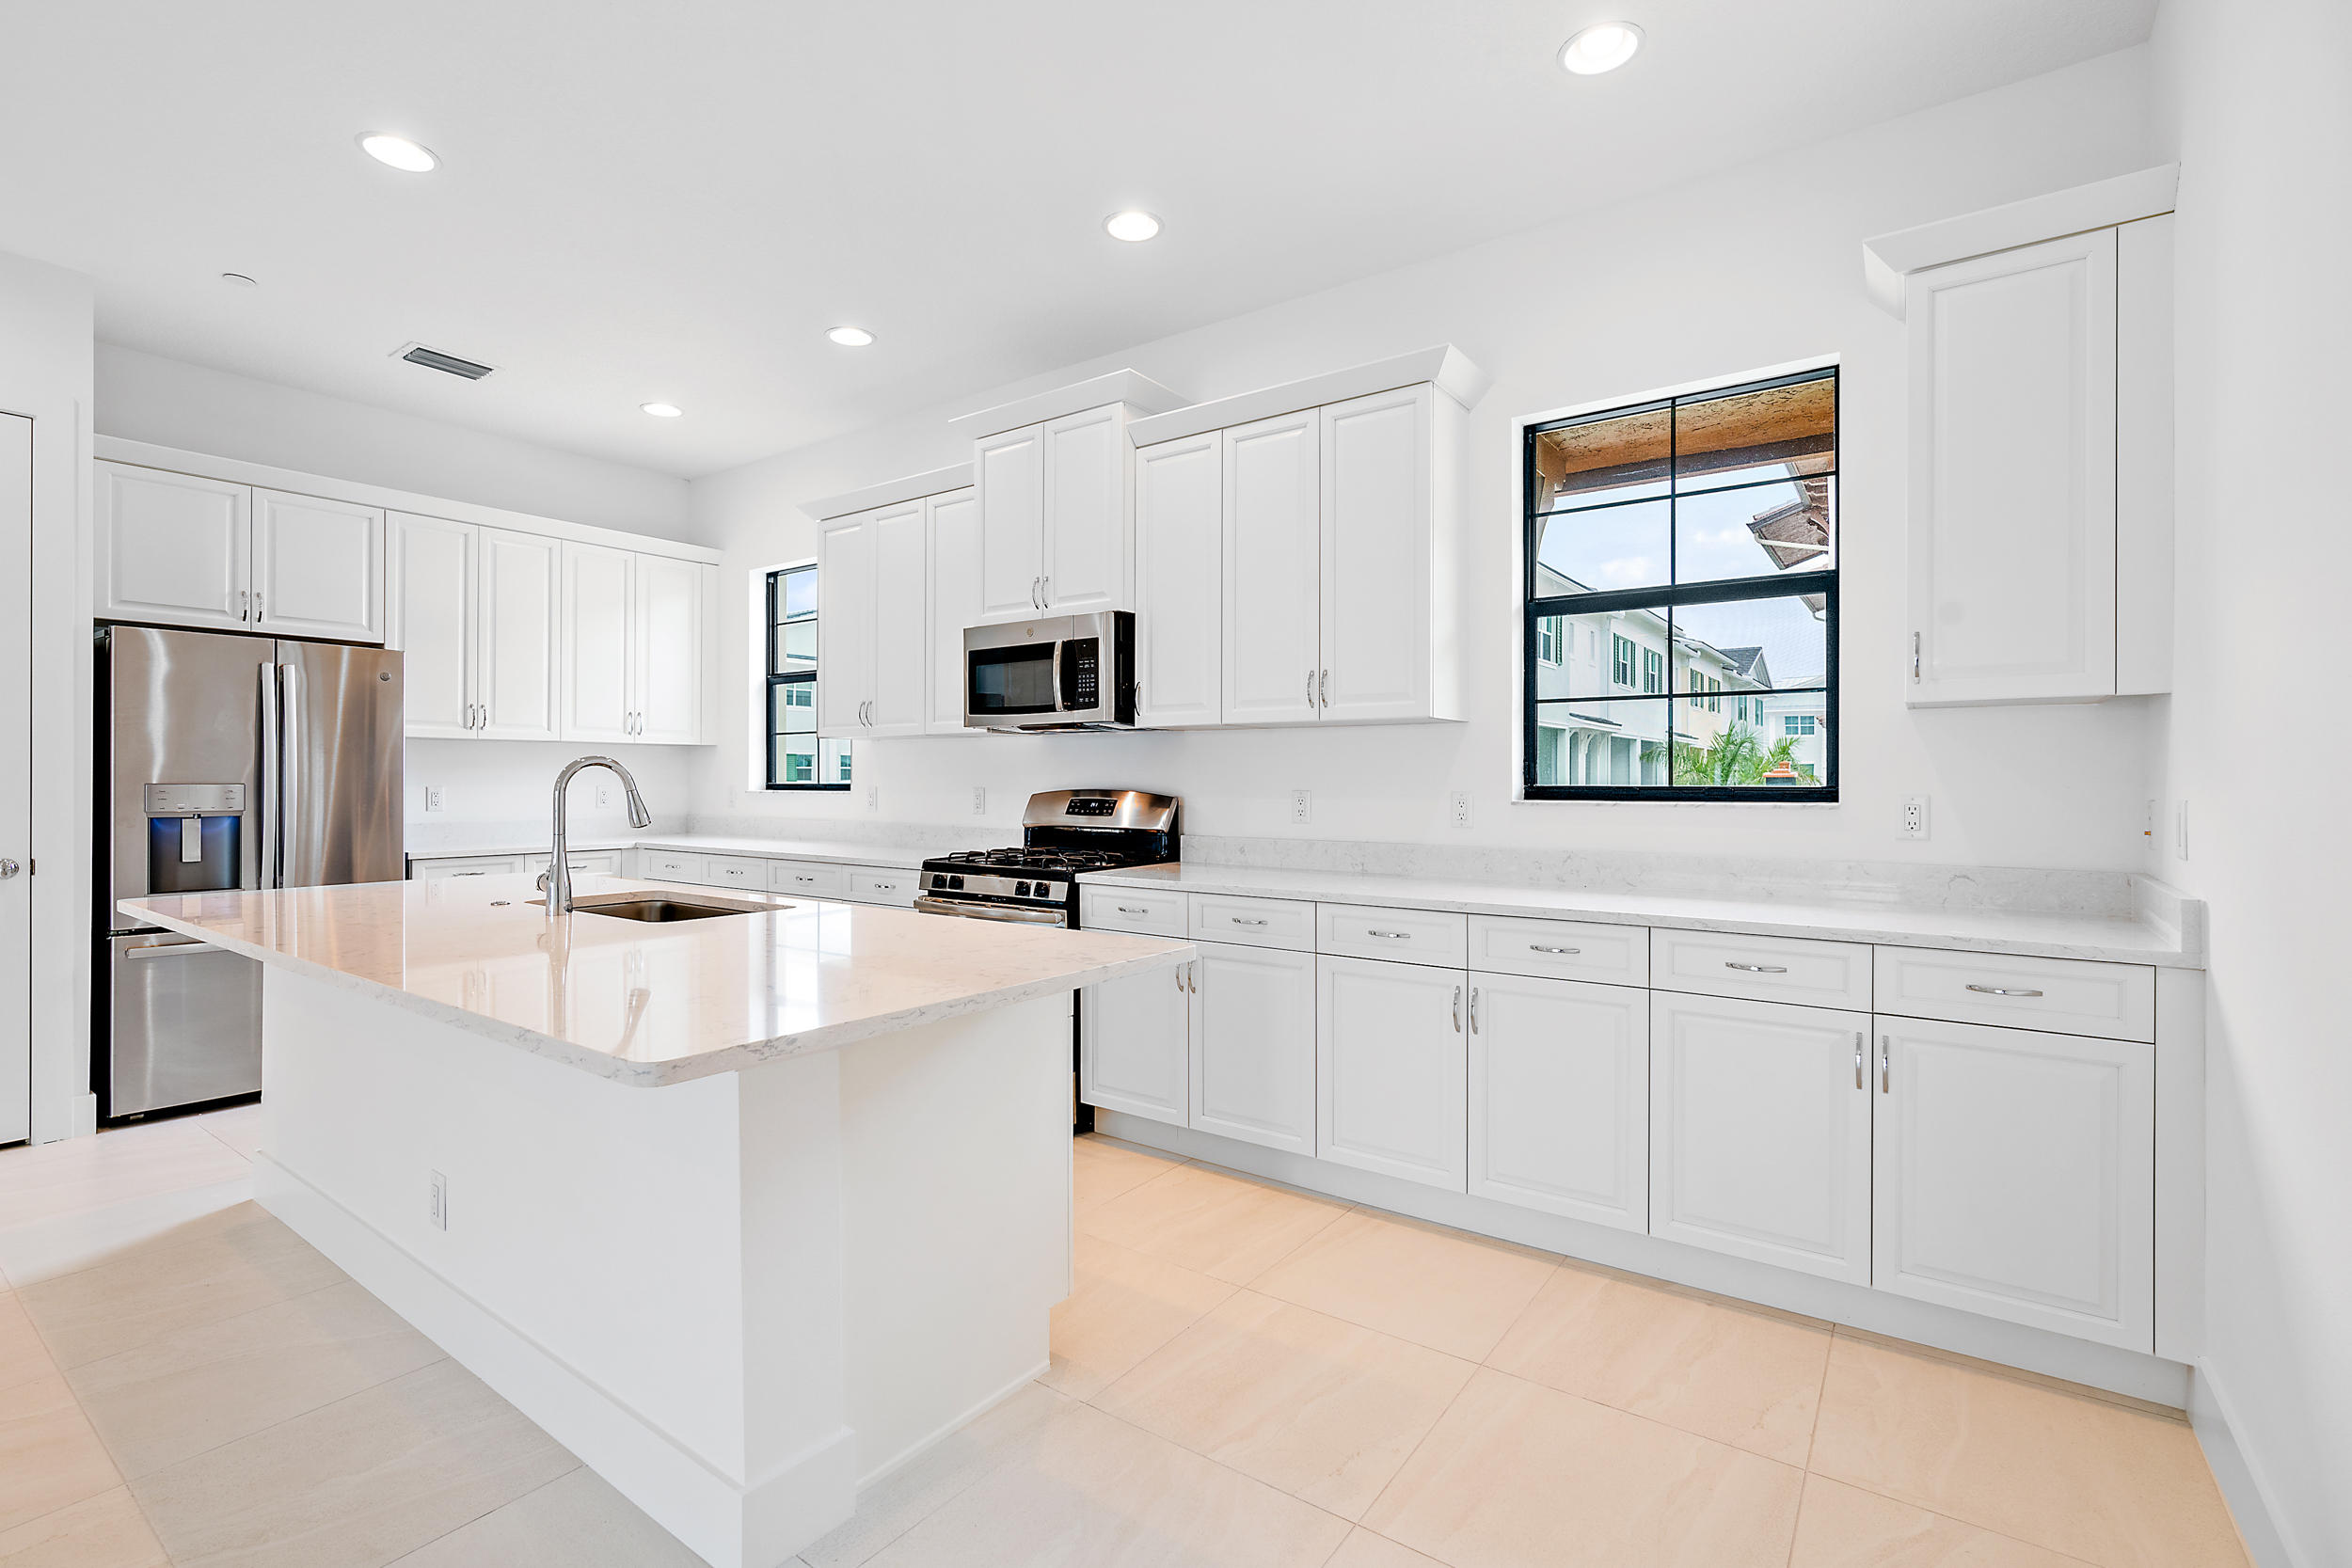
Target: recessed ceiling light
[(400, 152), (851, 337), (239, 281), (1132, 225), (1603, 46), (662, 410)]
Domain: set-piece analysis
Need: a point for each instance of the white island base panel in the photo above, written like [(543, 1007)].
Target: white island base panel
[(748, 1294)]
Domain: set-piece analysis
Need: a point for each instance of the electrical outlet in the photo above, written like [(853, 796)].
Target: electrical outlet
[(433, 796), (1301, 808), (1915, 816), (873, 797), (439, 1212), (2180, 830), (1460, 806), (604, 793), (979, 799), (2149, 831)]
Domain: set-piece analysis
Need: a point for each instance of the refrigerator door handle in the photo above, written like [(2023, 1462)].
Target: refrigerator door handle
[(266, 874), (290, 782)]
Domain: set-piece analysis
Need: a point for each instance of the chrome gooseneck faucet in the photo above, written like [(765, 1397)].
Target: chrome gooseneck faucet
[(559, 877)]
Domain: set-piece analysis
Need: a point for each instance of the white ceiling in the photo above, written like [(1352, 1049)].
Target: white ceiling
[(672, 201)]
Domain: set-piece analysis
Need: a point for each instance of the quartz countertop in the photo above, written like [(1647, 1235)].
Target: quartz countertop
[(648, 1004), (898, 857), (2110, 939)]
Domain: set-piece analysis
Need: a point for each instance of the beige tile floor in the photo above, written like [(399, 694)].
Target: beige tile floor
[(1245, 1376)]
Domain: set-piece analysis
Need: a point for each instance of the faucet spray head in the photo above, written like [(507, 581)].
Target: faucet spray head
[(638, 815)]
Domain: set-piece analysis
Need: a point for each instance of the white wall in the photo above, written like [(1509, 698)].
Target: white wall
[(1753, 268), (45, 315), (145, 397), (2258, 97), (502, 786)]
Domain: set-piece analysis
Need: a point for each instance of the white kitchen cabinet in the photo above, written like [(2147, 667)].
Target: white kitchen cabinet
[(845, 623), (474, 613), (900, 661), (1134, 1037), (317, 567), (2015, 1176), (1253, 1045), (1559, 1097), (872, 664), (1272, 568), (1392, 1069), (1008, 472), (633, 633), (1759, 1142), (173, 548), (468, 865), (1381, 642), (666, 649), (1180, 583), (599, 585), (952, 585)]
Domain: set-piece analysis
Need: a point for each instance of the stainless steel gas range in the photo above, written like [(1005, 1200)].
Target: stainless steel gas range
[(1064, 832)]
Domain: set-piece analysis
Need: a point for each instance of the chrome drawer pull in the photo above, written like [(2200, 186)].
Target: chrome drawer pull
[(1390, 936), (1130, 909), (1757, 968), (1239, 919), (1539, 947), (1995, 991)]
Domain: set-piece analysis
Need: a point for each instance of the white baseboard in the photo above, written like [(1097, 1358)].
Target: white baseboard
[(759, 1524), (2122, 1372), (949, 1427), (2258, 1524)]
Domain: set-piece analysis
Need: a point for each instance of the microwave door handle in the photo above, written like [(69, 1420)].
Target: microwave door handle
[(1059, 704)]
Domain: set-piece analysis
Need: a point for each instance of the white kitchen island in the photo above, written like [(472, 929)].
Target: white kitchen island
[(746, 1212)]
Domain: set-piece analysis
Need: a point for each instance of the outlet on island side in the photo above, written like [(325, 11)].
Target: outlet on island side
[(1458, 808), (1915, 822), (1302, 807)]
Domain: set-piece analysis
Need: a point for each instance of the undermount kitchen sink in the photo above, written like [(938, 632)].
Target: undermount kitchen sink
[(661, 908)]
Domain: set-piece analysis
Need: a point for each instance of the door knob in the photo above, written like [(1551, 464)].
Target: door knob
[(9, 868)]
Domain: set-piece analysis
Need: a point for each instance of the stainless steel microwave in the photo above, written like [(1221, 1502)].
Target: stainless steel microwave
[(1063, 673)]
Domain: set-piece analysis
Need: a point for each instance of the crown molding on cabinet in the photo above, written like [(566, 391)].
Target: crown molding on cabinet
[(1442, 364), (936, 482), (1133, 388), (146, 454), (1889, 258)]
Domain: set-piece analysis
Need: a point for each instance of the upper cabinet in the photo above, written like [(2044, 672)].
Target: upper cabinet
[(475, 616), (634, 646), (952, 585), (899, 575), (1179, 599), (2041, 448), (184, 550)]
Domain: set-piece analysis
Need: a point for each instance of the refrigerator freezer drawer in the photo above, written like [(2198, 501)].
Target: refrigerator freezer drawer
[(187, 1024)]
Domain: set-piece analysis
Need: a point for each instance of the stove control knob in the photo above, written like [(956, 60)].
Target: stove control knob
[(1020, 890), (955, 883)]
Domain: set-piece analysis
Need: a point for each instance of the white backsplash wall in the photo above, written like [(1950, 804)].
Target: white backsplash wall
[(504, 790), (1742, 271)]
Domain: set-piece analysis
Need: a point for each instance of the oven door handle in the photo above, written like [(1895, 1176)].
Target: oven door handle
[(927, 905)]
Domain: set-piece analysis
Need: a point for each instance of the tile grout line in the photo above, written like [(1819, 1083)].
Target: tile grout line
[(985, 1473), (1954, 1518), (1235, 1470), (577, 1467)]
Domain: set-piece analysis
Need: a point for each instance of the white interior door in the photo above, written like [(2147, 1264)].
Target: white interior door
[(1132, 1042), (2012, 474), (669, 631), (599, 584), (519, 650), (1009, 471), (172, 548), (1559, 1097), (1084, 562), (1273, 578), (318, 567), (1253, 1045), (1375, 555), (845, 624), (431, 621), (1759, 1139), (952, 586), (2016, 1176), (1392, 1075), (16, 777), (1179, 582), (901, 652)]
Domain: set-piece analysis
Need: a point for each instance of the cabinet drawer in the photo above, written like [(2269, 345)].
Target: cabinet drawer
[(2066, 996), (1152, 913), (1254, 922), (1405, 936), (810, 879), (735, 871), (1560, 949), (869, 885), (473, 865), (1765, 969), (665, 865), (606, 860)]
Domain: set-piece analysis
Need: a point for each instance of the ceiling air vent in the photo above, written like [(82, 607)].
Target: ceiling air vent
[(434, 359)]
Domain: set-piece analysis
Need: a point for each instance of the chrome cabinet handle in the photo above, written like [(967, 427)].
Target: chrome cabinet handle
[(1311, 689), (1474, 1010), (1180, 980), (1757, 968), (256, 607), (1193, 969), (1241, 920), (1886, 1047), (244, 601), (1997, 990), (1539, 947), (1915, 656), (1457, 1009), (1130, 909), (1389, 936), (1046, 592), (1861, 1048), (1326, 689)]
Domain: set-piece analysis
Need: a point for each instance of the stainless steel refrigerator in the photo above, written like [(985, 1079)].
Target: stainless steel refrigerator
[(227, 762)]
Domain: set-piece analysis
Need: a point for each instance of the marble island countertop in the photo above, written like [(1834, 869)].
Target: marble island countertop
[(648, 1004), (2114, 938)]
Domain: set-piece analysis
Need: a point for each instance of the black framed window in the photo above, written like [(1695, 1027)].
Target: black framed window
[(1681, 607), (798, 756)]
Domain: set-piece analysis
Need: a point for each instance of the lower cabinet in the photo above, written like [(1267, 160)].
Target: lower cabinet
[(2015, 1176), (1392, 1069), (1759, 1142), (1253, 1045), (1133, 1039), (1559, 1097)]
